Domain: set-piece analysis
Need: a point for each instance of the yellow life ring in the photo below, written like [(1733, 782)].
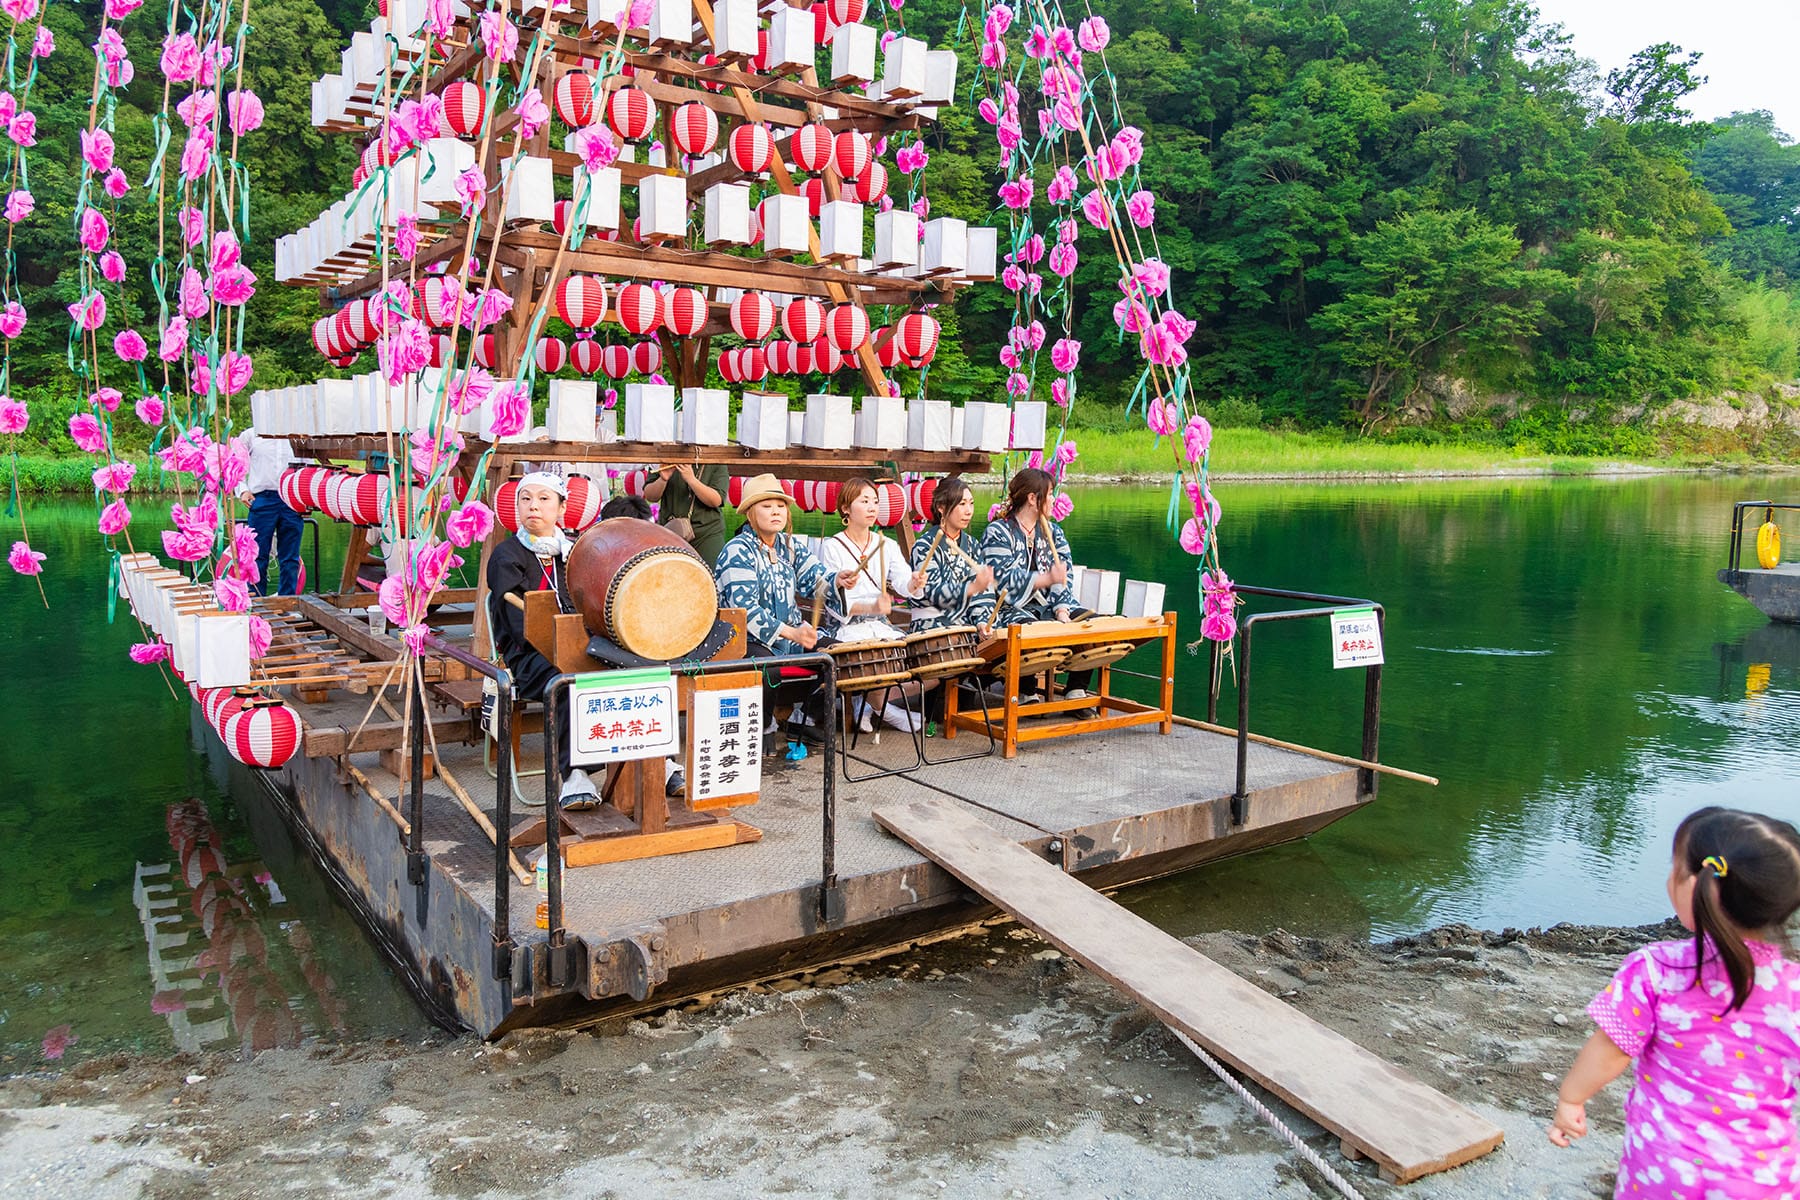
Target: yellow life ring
[(1768, 545)]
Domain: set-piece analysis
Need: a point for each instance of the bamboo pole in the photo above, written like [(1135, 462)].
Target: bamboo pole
[(374, 792), (1343, 759)]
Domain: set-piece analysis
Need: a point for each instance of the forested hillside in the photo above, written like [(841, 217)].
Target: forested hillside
[(1352, 195)]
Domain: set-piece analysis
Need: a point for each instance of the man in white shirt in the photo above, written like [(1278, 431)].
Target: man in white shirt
[(271, 518)]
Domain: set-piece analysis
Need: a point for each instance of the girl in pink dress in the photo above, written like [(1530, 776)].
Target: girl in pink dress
[(1713, 1024)]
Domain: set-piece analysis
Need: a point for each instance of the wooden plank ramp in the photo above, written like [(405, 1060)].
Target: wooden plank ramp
[(1377, 1111)]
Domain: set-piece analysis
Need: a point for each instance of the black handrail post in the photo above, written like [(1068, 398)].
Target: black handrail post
[(503, 785), (1240, 799), (1367, 779), (555, 698), (831, 901), (415, 843)]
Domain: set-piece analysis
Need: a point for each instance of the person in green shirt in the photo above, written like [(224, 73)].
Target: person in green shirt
[(696, 492)]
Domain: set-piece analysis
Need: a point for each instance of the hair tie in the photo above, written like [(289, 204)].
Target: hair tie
[(1717, 863)]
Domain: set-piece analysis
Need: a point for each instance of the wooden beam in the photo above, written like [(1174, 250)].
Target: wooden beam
[(329, 741), (352, 633), (1378, 1111), (796, 462)]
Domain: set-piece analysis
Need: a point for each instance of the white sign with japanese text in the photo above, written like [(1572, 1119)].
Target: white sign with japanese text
[(725, 729), (1355, 638), (618, 715)]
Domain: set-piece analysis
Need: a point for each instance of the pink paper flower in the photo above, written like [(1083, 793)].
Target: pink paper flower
[(145, 653), (440, 15), (196, 155), (12, 320), (107, 398), (44, 45), (19, 205), (261, 635), (921, 207), (1093, 207), (1063, 260), (1065, 354), (86, 430), (534, 114), (234, 286), (115, 184), (94, 230), (114, 518), (485, 309), (471, 189), (469, 524), (193, 294), (512, 410), (1196, 438), (1140, 206), (112, 266), (1017, 384), (1061, 505), (594, 144), (1065, 453), (468, 388), (89, 312), (1093, 34), (114, 477), (25, 560), (404, 350), (1062, 391), (235, 369), (1062, 185), (23, 129), (97, 149), (406, 236), (149, 410), (180, 57), (173, 343), (1193, 536), (1160, 415), (15, 415), (232, 593), (169, 1000), (391, 595), (193, 226), (990, 112), (246, 112), (912, 158), (118, 10), (1033, 249), (499, 37), (199, 108)]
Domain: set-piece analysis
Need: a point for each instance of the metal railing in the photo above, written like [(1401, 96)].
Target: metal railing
[(503, 792), (1735, 554), (1324, 607), (560, 967)]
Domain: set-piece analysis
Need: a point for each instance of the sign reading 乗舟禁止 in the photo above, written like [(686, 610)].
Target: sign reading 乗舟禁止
[(1355, 638), (616, 715)]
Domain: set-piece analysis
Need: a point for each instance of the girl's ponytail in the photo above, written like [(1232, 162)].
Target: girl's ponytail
[(1747, 880), (1711, 924)]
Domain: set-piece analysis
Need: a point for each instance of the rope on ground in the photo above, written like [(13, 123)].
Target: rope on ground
[(1262, 1110)]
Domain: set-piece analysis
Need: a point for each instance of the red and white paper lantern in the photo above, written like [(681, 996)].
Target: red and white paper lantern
[(640, 308), (464, 106), (575, 99), (850, 154), (843, 12), (753, 316), (581, 301), (486, 350), (617, 361), (695, 128), (684, 311), (847, 327), (550, 354), (442, 350), (750, 149), (814, 191), (646, 357), (587, 356), (916, 336), (871, 184), (630, 112), (803, 319), (810, 147), (432, 303), (826, 358)]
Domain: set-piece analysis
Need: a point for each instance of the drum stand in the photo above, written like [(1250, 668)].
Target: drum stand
[(852, 690), (986, 719)]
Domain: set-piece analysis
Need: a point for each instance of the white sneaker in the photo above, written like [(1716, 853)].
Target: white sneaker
[(865, 716), (1077, 694), (900, 718), (1028, 698)]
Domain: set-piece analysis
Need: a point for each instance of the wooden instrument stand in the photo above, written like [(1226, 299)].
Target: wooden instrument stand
[(1039, 641), (635, 819)]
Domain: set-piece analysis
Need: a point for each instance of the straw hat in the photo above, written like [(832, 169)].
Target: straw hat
[(759, 488)]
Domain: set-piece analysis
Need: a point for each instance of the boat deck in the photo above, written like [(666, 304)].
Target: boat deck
[(1114, 808)]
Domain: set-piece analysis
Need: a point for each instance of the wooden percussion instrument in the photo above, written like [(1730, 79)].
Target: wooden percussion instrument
[(643, 588), (937, 653), (863, 666)]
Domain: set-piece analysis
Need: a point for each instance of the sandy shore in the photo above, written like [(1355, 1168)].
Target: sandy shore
[(986, 1066)]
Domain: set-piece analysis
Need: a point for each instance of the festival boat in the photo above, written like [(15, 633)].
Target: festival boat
[(1772, 585), (549, 193)]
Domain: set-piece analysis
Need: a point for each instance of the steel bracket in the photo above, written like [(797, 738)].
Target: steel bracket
[(831, 905), (633, 965)]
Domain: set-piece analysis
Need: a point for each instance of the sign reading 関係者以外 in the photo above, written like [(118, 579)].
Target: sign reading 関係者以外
[(725, 743), (617, 715), (1355, 638)]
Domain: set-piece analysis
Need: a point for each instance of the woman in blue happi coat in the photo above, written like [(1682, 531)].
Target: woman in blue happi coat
[(958, 586), (763, 568), (1030, 559)]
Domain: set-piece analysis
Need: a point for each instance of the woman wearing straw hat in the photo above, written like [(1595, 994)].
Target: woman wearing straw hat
[(763, 568)]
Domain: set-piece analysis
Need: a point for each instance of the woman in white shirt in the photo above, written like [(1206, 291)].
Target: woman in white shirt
[(880, 572)]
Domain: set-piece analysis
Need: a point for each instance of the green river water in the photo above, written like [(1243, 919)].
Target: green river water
[(1558, 652)]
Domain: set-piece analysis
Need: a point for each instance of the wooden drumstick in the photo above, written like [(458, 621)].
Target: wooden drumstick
[(1044, 525), (932, 549), (818, 603)]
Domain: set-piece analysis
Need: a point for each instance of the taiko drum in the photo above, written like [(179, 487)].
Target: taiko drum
[(642, 587)]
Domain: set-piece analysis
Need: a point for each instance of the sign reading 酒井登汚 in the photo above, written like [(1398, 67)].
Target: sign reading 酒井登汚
[(725, 729), (1355, 638), (616, 715)]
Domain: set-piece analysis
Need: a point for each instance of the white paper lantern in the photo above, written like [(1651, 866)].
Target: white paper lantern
[(881, 423), (903, 69), (727, 219), (928, 425), (763, 421), (662, 206), (573, 405), (852, 54), (829, 422), (705, 416), (649, 412), (840, 229), (896, 239)]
